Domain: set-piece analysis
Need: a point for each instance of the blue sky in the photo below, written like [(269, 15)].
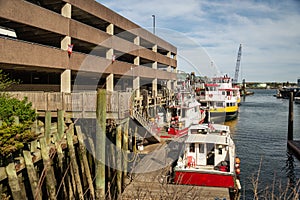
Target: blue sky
[(210, 31)]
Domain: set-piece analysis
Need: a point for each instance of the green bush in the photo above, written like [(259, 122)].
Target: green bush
[(14, 135)]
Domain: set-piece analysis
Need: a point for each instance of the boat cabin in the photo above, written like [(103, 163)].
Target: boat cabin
[(210, 147)]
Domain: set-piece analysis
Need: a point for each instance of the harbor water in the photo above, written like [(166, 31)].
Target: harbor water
[(260, 135)]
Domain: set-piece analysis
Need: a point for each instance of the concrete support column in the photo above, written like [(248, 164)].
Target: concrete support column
[(174, 84), (65, 77), (154, 65), (169, 84), (66, 10), (110, 29), (137, 60), (109, 54), (110, 83), (154, 48), (65, 81), (169, 69), (65, 42), (136, 81), (169, 54), (154, 87), (110, 77), (136, 86), (175, 57), (137, 40)]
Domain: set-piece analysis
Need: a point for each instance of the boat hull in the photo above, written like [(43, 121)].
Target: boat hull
[(231, 115), (205, 179)]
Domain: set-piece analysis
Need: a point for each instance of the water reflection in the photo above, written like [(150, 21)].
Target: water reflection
[(232, 124), (290, 169)]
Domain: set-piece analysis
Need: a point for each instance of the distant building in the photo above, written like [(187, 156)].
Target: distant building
[(298, 81), (261, 85)]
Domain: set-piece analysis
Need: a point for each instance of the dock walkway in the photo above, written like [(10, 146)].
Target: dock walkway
[(150, 179)]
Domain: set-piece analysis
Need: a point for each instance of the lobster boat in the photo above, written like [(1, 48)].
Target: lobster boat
[(209, 158)]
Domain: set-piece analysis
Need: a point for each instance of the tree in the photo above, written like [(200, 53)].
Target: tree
[(14, 133), (5, 81)]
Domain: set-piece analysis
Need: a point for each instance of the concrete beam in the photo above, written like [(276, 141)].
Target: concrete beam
[(27, 54), (29, 14)]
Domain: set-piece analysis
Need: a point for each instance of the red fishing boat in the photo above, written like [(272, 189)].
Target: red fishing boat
[(209, 158)]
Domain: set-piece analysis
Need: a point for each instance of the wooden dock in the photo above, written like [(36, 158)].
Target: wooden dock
[(294, 146)]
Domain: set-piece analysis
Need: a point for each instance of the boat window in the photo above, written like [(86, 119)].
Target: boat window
[(219, 104), (192, 147), (201, 148), (220, 149), (183, 113)]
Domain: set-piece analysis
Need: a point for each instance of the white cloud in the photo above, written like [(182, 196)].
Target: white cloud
[(268, 30)]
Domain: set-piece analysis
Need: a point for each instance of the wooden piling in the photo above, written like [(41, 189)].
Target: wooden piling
[(291, 117), (119, 159), (13, 182), (125, 149), (70, 134), (61, 169), (85, 162), (134, 139), (48, 126), (60, 124), (48, 170), (100, 143), (32, 175)]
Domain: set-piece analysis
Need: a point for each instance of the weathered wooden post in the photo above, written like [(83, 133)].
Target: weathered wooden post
[(84, 159), (100, 143), (60, 124), (48, 170), (61, 158), (125, 149), (48, 126), (291, 117), (75, 170), (134, 139), (119, 158), (13, 182), (32, 175)]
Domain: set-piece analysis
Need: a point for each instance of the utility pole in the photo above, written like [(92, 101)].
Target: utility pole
[(153, 16)]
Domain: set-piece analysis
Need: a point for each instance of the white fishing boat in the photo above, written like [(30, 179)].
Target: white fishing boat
[(209, 158), (182, 113)]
